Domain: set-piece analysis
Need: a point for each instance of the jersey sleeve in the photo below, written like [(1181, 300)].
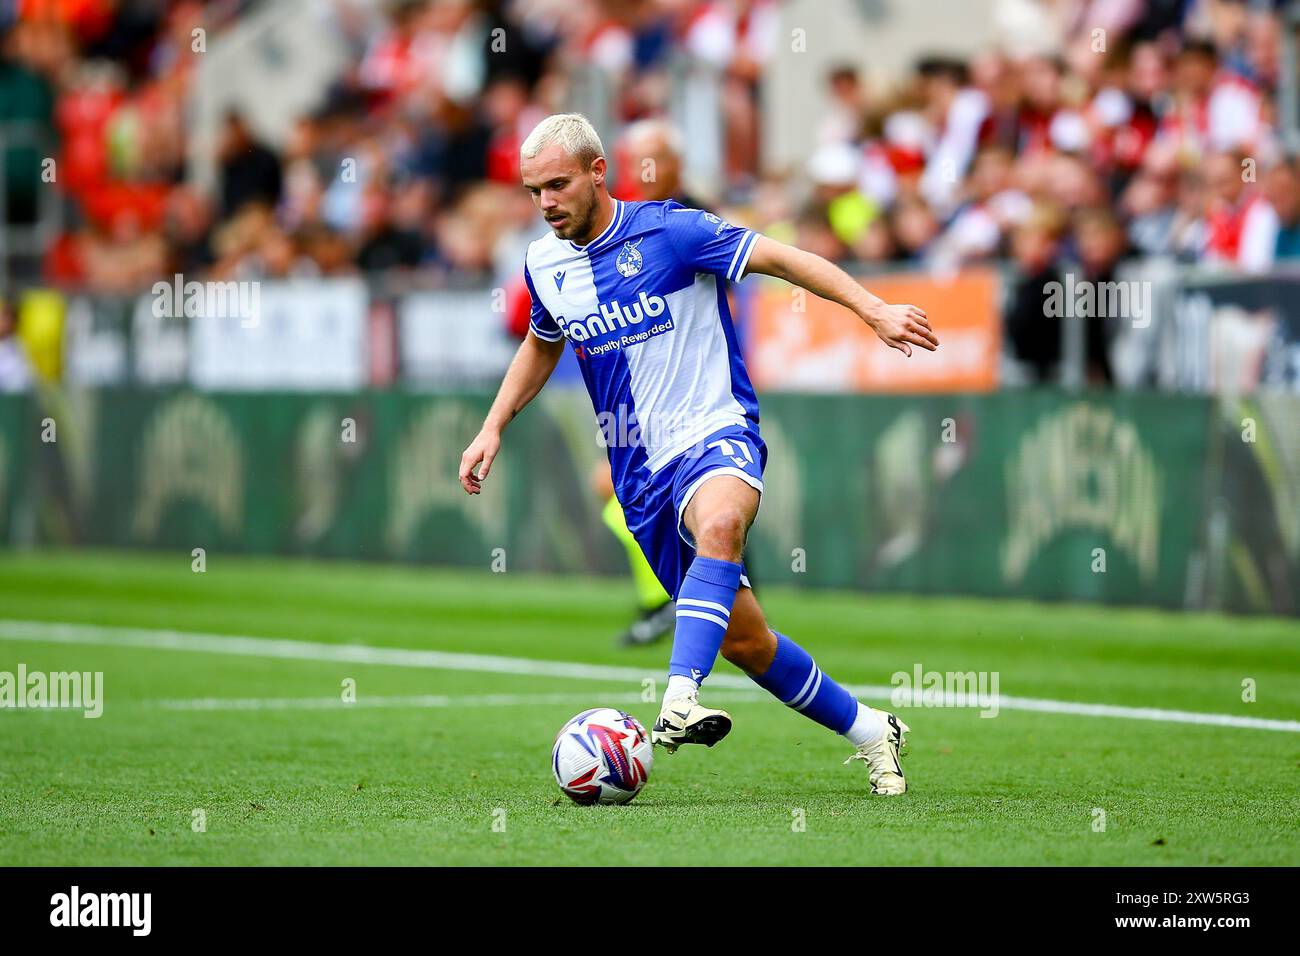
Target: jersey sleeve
[(708, 243), (540, 321)]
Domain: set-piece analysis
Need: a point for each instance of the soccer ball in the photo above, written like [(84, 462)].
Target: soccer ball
[(602, 756)]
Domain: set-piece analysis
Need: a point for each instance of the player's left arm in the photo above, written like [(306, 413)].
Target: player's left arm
[(899, 326)]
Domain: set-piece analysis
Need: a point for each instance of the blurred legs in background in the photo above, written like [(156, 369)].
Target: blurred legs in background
[(657, 613)]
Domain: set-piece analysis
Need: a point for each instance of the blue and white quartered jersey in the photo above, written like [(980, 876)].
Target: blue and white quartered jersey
[(644, 306)]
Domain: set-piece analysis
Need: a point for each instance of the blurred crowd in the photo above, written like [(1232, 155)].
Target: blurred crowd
[(1095, 131), (409, 163), (1090, 132), (1150, 121)]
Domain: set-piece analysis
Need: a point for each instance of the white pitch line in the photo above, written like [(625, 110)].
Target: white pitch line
[(64, 633), (1146, 713), (412, 701), (61, 633)]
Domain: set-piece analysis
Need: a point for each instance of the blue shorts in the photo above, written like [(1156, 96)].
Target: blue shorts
[(655, 516)]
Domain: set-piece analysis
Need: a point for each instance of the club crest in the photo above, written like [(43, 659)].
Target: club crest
[(629, 260)]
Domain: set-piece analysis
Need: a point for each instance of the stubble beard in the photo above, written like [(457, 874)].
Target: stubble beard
[(581, 221)]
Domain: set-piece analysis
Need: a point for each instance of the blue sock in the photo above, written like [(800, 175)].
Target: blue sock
[(795, 679), (703, 610)]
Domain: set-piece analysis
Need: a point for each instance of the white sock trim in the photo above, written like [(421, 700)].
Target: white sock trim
[(812, 694), (707, 605), (703, 616), (679, 685), (798, 698), (867, 727)]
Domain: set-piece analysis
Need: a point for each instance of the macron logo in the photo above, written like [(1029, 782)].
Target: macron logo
[(559, 280)]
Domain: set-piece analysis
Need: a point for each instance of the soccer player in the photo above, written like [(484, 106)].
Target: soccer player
[(637, 289), (651, 146)]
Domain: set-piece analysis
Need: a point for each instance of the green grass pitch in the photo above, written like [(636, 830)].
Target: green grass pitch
[(420, 770)]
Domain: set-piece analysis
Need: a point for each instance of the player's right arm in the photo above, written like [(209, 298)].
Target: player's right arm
[(528, 372)]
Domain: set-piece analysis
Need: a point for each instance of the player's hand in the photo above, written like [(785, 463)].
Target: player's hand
[(482, 450), (902, 326)]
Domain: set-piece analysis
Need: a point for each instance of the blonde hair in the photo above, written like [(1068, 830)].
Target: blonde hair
[(572, 131)]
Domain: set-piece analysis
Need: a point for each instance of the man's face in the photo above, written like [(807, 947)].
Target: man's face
[(1282, 188), (564, 192), (665, 164), (1223, 176), (1195, 72)]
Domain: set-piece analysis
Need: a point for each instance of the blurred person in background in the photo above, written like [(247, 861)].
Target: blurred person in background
[(999, 80), (812, 231), (454, 147), (915, 228), (651, 158), (235, 242), (1072, 183), (991, 206), (1282, 187), (1184, 124), (1240, 225), (835, 170), (306, 168), (1149, 204), (392, 220), (510, 114), (1042, 78), (656, 612), (1214, 108), (15, 370), (773, 208), (277, 256), (1081, 18), (956, 112), (26, 97), (187, 228), (846, 114), (1187, 230), (328, 250), (1131, 107), (876, 243), (1099, 245), (1034, 334), (250, 171), (467, 235), (740, 37)]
